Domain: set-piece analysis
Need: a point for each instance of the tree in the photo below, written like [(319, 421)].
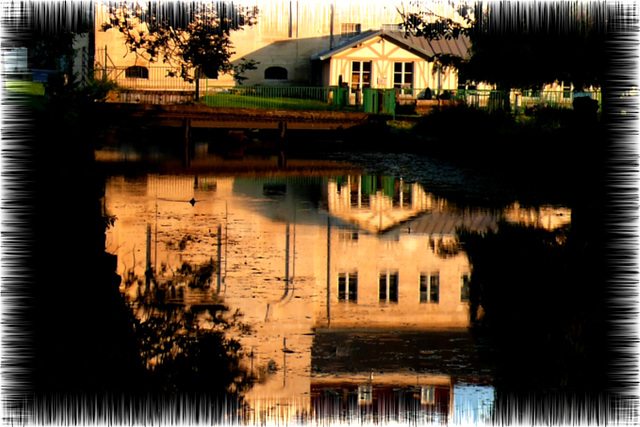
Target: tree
[(192, 38), (536, 294), (49, 31), (522, 44)]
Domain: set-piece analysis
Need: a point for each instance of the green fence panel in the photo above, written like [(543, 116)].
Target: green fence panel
[(369, 184), (370, 100), (388, 185), (389, 101), (340, 96)]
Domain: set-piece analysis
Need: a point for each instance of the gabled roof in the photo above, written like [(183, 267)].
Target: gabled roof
[(418, 45), (457, 47)]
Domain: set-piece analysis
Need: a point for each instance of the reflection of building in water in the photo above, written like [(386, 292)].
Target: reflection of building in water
[(378, 204), (375, 203), (396, 281), (402, 397), (296, 271), (548, 217)]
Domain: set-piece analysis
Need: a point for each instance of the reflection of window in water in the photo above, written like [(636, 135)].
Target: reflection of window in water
[(347, 235), (402, 197), (430, 288), (365, 394), (434, 288), (388, 290), (464, 288), (205, 184), (348, 287), (427, 395), (274, 190)]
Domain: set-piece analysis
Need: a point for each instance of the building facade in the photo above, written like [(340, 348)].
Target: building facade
[(298, 43)]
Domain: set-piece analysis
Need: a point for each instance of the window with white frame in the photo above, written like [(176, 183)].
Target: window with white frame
[(360, 75), (388, 287), (403, 76), (430, 288), (348, 287)]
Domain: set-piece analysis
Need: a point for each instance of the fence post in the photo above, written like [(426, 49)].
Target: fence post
[(186, 126), (104, 69), (196, 74)]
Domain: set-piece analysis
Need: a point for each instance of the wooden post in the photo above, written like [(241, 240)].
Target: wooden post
[(286, 261), (104, 70), (147, 270), (219, 257), (328, 271), (252, 356), (284, 362), (293, 267), (187, 142)]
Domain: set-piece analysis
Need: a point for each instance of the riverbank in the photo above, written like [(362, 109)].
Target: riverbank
[(550, 156), (559, 153), (274, 164)]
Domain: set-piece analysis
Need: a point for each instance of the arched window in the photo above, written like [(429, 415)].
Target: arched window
[(275, 73), (137, 72)]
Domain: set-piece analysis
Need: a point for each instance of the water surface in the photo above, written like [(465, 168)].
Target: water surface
[(349, 291)]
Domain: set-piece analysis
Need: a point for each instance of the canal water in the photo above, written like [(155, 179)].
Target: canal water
[(342, 290)]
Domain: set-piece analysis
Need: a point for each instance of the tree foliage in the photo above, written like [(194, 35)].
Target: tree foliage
[(522, 44), (53, 52), (536, 293), (185, 348), (191, 38)]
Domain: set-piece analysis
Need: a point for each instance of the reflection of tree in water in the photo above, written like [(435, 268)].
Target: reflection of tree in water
[(444, 248), (181, 326), (539, 296)]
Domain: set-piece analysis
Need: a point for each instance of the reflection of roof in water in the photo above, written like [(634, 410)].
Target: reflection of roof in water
[(347, 353), (382, 205), (446, 223)]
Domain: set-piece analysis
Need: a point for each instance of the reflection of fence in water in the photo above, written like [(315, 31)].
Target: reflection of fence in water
[(179, 188), (368, 191)]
